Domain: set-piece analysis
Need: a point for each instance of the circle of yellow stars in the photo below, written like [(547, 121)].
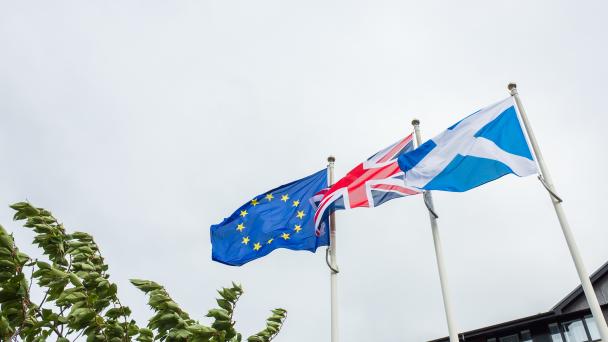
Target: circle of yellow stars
[(285, 236)]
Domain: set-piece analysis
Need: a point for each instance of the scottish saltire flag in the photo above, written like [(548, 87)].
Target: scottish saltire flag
[(480, 148), (371, 183), (279, 218)]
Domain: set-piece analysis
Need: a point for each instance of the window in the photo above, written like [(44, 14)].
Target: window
[(556, 336), (592, 328), (510, 338), (525, 336), (578, 330), (575, 331)]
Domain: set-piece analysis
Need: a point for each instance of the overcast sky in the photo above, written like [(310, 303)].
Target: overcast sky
[(144, 122)]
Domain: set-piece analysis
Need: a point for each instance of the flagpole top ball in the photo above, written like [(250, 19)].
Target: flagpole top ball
[(512, 87), (415, 122), (331, 159)]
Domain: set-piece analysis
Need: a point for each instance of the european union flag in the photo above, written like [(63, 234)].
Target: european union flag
[(279, 218)]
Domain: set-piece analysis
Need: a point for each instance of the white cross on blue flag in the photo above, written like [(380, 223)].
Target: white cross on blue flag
[(480, 148)]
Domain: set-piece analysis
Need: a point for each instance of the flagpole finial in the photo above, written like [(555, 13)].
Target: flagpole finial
[(415, 122), (512, 88), (331, 159)]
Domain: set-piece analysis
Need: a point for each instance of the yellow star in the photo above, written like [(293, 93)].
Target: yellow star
[(284, 198), (285, 236), (296, 203), (300, 214), (240, 227), (245, 240), (297, 228), (243, 213), (269, 241), (257, 246), (269, 197), (254, 202)]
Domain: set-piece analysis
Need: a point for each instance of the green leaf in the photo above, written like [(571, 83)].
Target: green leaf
[(75, 280), (43, 265), (228, 294), (145, 285), (219, 314), (7, 265), (201, 330), (179, 334), (117, 312), (80, 318), (222, 324), (224, 304), (279, 311)]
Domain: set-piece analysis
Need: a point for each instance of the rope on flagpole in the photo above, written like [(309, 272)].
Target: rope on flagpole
[(551, 192), (428, 206), (334, 270)]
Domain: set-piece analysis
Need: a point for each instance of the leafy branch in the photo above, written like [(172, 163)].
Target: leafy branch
[(79, 298)]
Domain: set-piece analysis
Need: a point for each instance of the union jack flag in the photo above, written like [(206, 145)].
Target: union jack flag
[(371, 183)]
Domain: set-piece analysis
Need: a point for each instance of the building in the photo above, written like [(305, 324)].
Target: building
[(569, 320)]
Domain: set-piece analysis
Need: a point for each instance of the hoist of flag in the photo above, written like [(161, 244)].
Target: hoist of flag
[(371, 183)]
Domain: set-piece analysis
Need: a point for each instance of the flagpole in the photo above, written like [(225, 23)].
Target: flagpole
[(547, 181), (333, 262), (428, 200)]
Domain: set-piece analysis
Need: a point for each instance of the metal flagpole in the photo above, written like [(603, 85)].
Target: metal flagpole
[(547, 182), (428, 201), (332, 262)]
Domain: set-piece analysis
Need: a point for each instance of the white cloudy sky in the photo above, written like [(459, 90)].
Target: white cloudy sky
[(144, 122)]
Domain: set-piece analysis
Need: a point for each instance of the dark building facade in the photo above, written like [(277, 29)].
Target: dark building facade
[(569, 320)]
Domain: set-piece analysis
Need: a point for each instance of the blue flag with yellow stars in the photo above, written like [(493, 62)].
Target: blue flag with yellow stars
[(279, 218)]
